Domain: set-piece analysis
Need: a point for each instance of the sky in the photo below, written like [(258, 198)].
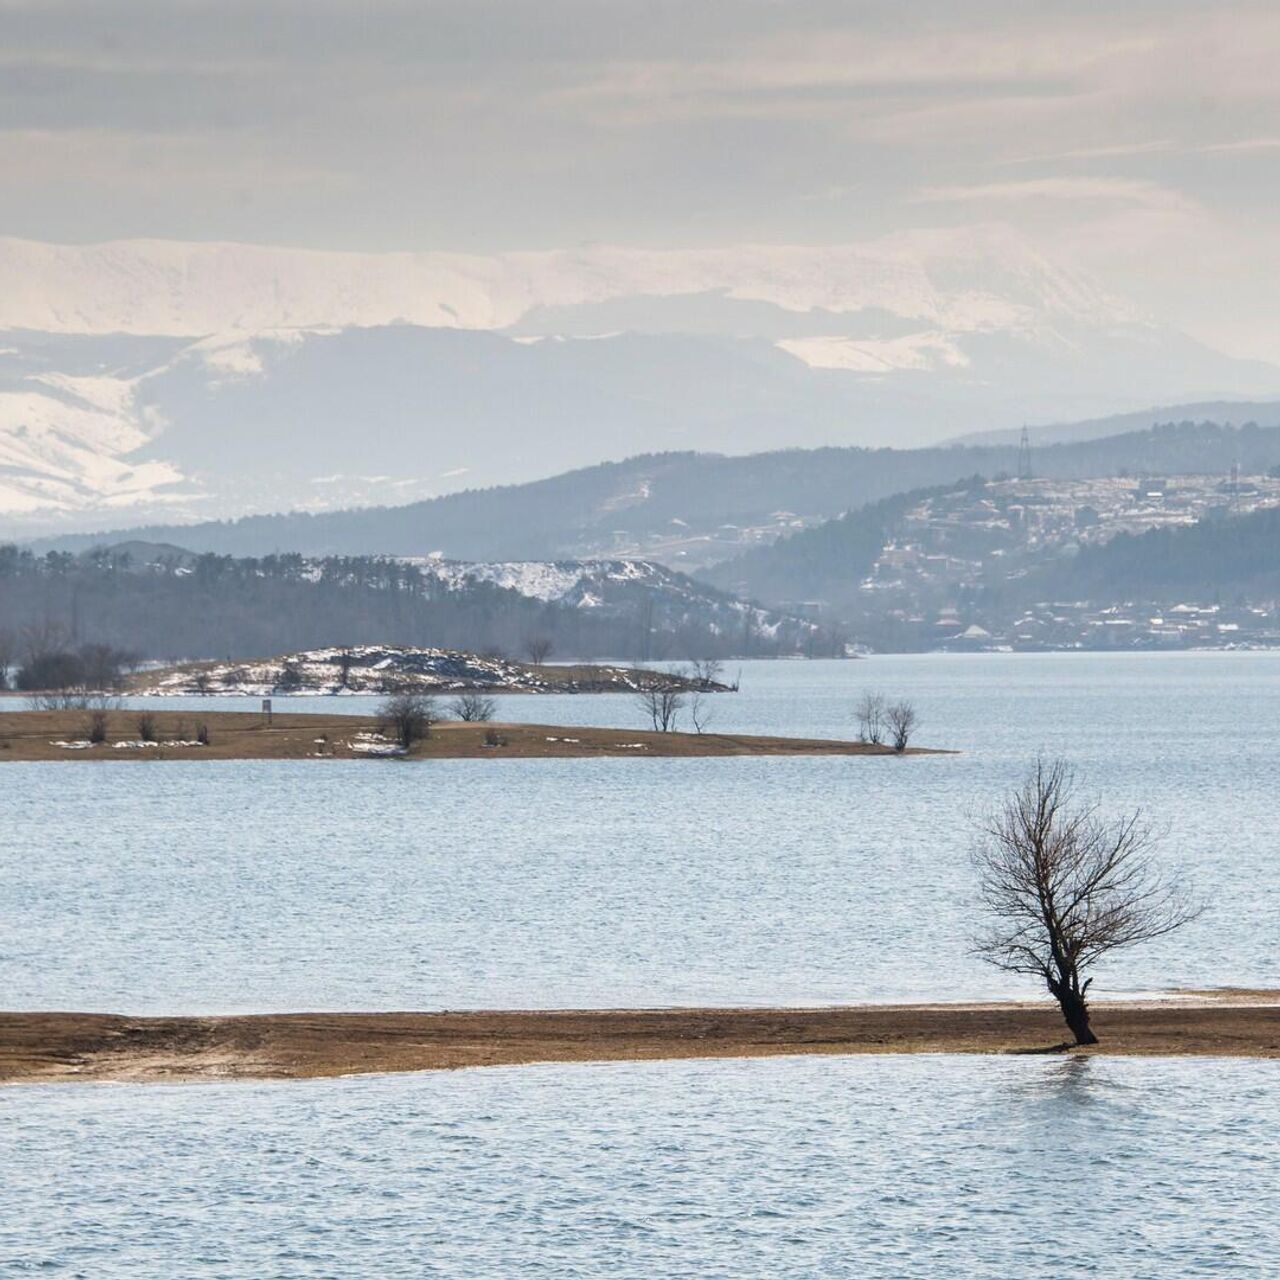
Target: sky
[(1138, 141)]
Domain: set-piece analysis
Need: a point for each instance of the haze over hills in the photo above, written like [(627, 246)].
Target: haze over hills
[(1262, 413), (686, 509), (178, 381)]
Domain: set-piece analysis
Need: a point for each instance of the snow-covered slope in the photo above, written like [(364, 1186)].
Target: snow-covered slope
[(261, 379), (637, 589)]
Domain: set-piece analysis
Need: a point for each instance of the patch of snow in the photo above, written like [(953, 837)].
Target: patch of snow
[(918, 351)]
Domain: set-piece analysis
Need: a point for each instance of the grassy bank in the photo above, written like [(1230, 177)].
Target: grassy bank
[(248, 735)]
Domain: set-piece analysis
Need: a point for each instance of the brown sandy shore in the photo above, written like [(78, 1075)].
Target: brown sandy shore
[(45, 1047), (247, 735)]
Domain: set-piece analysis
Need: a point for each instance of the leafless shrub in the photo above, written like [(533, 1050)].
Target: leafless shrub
[(661, 705), (96, 727), (290, 680), (705, 673), (409, 716), (900, 720), (202, 733), (870, 713), (145, 725), (700, 711), (473, 706), (539, 649), (1063, 887)]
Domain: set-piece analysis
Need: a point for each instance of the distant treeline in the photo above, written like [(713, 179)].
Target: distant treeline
[(215, 606)]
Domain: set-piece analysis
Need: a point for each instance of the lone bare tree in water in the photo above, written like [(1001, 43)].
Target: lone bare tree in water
[(1064, 886)]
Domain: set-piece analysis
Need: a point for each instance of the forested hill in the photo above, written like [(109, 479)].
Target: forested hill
[(1213, 558), (688, 508), (212, 606)]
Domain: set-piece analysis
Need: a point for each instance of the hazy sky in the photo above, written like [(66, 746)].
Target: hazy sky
[(1138, 140)]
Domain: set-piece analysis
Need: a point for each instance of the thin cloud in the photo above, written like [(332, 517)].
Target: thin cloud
[(1093, 189), (1244, 144)]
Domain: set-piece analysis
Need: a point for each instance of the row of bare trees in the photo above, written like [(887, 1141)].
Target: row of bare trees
[(410, 716), (883, 722)]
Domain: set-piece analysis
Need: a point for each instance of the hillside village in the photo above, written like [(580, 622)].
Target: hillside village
[(942, 582)]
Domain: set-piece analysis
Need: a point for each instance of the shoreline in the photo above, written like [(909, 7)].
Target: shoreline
[(54, 1047), (31, 736)]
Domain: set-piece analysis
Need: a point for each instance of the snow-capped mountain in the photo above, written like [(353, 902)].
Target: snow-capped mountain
[(968, 280), (170, 380)]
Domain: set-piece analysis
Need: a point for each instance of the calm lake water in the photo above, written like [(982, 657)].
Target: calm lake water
[(931, 1167), (285, 885), (289, 885)]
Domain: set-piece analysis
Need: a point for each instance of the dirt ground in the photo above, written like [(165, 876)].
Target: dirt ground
[(81, 1046)]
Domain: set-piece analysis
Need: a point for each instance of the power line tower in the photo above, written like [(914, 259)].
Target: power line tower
[(1024, 456)]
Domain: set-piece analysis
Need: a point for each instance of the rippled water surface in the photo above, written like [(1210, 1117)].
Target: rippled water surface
[(936, 1167), (284, 885)]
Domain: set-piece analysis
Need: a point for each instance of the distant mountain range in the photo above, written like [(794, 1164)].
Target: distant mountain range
[(146, 381), (1262, 413), (690, 510)]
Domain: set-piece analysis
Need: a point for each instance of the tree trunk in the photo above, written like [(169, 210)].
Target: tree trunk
[(1076, 1013)]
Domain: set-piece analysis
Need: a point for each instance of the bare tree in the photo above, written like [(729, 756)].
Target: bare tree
[(409, 716), (870, 715), (539, 649), (705, 673), (700, 711), (96, 727), (661, 704), (473, 706), (345, 660), (900, 719), (1063, 886)]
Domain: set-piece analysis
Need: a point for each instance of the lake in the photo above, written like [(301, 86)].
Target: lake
[(931, 1167), (245, 886), (188, 887)]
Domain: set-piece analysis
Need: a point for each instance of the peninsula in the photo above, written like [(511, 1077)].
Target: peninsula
[(253, 735)]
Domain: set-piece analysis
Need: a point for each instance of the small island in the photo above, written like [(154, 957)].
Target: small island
[(383, 668), (252, 735)]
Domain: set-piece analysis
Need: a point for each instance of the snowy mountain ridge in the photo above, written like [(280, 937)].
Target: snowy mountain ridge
[(970, 280)]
